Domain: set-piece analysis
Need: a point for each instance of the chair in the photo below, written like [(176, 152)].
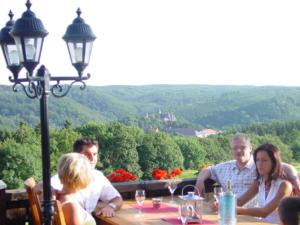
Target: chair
[(35, 206), (34, 202), (59, 218)]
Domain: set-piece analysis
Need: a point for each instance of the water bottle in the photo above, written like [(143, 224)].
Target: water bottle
[(227, 206)]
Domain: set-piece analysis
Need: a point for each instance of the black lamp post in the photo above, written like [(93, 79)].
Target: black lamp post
[(22, 43)]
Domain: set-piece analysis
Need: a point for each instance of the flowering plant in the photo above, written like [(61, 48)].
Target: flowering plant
[(121, 175), (159, 174)]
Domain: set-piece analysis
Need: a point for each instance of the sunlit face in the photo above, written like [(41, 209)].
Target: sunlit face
[(263, 163), (241, 151), (91, 152)]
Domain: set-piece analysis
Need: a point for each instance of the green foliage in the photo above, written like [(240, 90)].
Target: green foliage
[(158, 150), (196, 106), (61, 142), (129, 147), (285, 152), (18, 162), (217, 147), (193, 153), (119, 149)]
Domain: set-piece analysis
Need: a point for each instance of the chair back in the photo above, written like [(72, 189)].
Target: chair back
[(59, 218), (34, 203)]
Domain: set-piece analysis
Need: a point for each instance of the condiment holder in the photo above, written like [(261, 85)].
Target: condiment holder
[(195, 202)]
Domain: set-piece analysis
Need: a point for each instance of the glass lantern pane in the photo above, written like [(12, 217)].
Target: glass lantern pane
[(12, 55), (19, 48), (71, 51), (88, 51), (30, 49), (78, 52), (38, 47)]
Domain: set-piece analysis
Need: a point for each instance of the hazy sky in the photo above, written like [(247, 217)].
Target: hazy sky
[(138, 42)]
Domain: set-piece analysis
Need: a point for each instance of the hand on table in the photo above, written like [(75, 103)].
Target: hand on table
[(107, 211)]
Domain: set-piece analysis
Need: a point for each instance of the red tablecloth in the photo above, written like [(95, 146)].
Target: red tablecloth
[(148, 208)]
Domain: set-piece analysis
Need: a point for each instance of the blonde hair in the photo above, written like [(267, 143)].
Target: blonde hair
[(74, 171)]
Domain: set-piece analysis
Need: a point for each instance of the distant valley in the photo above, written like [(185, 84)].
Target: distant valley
[(197, 106)]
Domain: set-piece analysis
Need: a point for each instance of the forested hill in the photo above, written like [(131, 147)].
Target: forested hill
[(193, 105)]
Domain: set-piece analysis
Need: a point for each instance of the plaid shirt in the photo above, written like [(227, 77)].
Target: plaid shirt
[(241, 179)]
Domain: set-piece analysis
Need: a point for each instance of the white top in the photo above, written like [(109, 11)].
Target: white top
[(273, 217), (99, 189), (88, 219)]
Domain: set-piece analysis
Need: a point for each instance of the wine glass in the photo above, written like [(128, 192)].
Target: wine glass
[(140, 198), (217, 192), (184, 211), (172, 186)]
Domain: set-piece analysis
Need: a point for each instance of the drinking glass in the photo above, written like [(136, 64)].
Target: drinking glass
[(217, 192), (172, 186), (140, 198), (185, 211)]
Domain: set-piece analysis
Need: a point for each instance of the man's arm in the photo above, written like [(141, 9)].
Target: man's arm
[(109, 209), (292, 176), (203, 175)]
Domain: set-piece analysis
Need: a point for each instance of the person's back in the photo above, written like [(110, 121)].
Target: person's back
[(71, 207), (75, 174), (289, 211)]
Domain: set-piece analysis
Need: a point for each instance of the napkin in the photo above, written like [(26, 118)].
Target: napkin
[(148, 208)]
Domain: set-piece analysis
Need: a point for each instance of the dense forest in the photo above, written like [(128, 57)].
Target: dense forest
[(123, 120), (197, 106), (132, 148)]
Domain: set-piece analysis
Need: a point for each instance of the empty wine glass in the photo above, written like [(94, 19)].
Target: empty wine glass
[(217, 192), (172, 186), (140, 198)]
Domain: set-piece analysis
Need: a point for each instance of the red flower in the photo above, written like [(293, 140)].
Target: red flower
[(159, 174), (121, 175), (176, 172)]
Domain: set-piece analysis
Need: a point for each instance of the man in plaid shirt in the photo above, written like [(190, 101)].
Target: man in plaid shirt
[(241, 171)]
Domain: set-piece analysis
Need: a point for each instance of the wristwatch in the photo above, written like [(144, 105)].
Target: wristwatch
[(112, 205)]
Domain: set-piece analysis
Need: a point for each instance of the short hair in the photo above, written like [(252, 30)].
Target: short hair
[(80, 143), (274, 154), (74, 171), (241, 136), (289, 210)]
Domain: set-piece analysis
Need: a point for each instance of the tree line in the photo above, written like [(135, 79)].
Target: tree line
[(197, 106), (131, 148)]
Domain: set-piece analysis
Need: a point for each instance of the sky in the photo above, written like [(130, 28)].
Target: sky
[(142, 42)]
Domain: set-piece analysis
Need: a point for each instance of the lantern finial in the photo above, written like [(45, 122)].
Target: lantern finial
[(28, 4)]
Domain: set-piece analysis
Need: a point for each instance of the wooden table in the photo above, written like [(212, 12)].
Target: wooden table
[(127, 216)]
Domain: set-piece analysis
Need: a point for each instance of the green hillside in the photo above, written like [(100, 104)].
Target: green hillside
[(194, 105)]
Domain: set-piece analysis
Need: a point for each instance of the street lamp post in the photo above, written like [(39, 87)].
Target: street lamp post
[(22, 43)]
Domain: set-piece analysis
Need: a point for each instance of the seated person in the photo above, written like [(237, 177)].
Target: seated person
[(289, 211), (75, 174), (100, 196), (270, 185), (241, 171)]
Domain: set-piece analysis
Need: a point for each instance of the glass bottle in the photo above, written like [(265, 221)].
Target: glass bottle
[(228, 207)]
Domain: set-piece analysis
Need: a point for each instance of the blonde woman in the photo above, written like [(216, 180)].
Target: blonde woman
[(75, 174)]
